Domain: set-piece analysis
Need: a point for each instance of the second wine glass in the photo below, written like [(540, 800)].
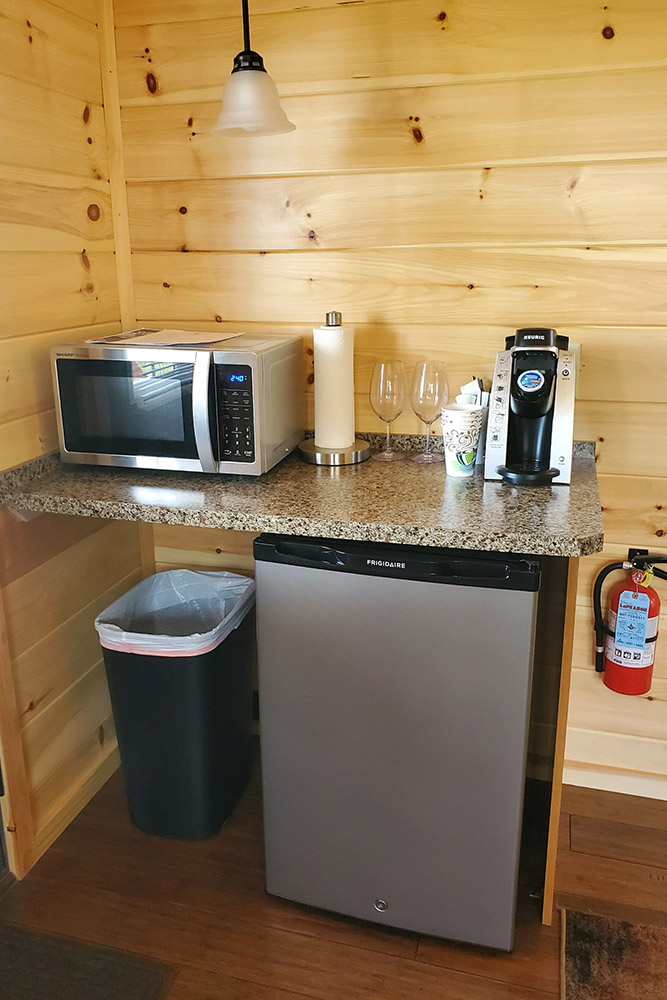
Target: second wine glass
[(387, 395), (429, 392)]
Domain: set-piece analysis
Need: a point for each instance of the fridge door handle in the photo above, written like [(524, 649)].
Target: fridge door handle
[(200, 411), (311, 552)]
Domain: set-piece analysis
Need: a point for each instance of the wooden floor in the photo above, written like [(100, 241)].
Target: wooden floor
[(202, 908)]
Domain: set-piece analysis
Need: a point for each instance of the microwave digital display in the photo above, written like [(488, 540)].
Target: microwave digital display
[(233, 376)]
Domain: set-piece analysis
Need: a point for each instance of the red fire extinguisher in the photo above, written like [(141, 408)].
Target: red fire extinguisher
[(626, 642)]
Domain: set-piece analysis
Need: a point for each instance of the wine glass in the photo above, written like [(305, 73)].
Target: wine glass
[(387, 395), (429, 392)]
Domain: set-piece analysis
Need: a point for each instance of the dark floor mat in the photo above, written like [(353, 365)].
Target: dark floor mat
[(36, 966), (607, 959)]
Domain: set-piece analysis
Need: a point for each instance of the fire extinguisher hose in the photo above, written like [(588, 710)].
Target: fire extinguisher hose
[(600, 624), (639, 562)]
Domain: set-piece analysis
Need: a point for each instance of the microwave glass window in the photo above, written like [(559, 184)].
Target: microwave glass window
[(127, 407)]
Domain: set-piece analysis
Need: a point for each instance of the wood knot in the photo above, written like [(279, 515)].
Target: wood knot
[(311, 378), (189, 122), (312, 235), (183, 210), (441, 16), (101, 736), (86, 115), (89, 288), (417, 134), (218, 319), (89, 141), (471, 286), (165, 284), (219, 551), (151, 83), (93, 212), (659, 532), (608, 32), (85, 260)]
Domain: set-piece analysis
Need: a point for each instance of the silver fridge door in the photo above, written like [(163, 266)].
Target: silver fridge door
[(394, 719)]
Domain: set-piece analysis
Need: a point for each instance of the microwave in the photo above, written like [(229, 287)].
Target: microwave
[(233, 406)]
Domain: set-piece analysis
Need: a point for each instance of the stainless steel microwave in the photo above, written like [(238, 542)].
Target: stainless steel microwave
[(234, 406)]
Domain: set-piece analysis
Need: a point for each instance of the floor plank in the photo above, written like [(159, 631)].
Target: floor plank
[(201, 906)]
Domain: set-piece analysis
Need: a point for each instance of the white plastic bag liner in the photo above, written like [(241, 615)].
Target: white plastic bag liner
[(177, 613)]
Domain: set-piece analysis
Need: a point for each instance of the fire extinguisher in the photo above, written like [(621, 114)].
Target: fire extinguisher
[(626, 642)]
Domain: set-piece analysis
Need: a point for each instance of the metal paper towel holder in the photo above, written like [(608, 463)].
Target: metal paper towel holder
[(359, 451)]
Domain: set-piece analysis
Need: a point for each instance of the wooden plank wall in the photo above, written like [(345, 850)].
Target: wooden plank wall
[(58, 276), (612, 855), (456, 173)]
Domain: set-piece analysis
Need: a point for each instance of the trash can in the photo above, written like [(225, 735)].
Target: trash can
[(179, 651)]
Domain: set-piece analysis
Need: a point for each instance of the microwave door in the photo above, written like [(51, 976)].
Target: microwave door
[(201, 388), (132, 409)]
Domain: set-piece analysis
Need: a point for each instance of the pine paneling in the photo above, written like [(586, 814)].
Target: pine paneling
[(521, 286), (57, 261), (67, 582), (50, 666), (87, 9), (46, 291), (617, 114), (28, 438), (50, 131), (399, 43), (128, 13), (634, 510), (42, 211), (532, 205), (46, 45)]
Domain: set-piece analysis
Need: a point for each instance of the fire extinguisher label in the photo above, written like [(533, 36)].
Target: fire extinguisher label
[(631, 620), (631, 627)]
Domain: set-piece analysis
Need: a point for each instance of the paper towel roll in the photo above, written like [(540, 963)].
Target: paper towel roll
[(333, 355)]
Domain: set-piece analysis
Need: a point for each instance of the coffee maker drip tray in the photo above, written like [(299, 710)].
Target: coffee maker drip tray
[(527, 474)]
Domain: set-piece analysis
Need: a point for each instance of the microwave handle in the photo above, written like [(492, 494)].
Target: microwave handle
[(200, 411)]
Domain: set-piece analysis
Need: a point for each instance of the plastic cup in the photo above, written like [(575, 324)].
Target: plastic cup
[(461, 427)]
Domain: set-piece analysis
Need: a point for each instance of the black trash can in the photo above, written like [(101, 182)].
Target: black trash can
[(179, 651)]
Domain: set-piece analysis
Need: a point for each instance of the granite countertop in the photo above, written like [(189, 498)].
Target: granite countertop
[(401, 503)]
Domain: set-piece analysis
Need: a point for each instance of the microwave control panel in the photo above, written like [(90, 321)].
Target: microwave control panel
[(236, 415)]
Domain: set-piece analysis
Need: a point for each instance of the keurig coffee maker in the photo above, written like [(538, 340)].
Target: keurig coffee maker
[(531, 410)]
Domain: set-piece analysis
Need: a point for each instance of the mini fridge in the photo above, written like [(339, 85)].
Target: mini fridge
[(394, 686)]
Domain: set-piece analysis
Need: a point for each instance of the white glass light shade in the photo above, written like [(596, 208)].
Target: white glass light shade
[(250, 105)]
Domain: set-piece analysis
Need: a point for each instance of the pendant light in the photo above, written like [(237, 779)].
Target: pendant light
[(250, 104)]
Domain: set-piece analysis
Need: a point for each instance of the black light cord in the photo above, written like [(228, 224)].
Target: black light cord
[(246, 26)]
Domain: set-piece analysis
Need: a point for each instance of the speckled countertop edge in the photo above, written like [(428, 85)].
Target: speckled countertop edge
[(469, 519)]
